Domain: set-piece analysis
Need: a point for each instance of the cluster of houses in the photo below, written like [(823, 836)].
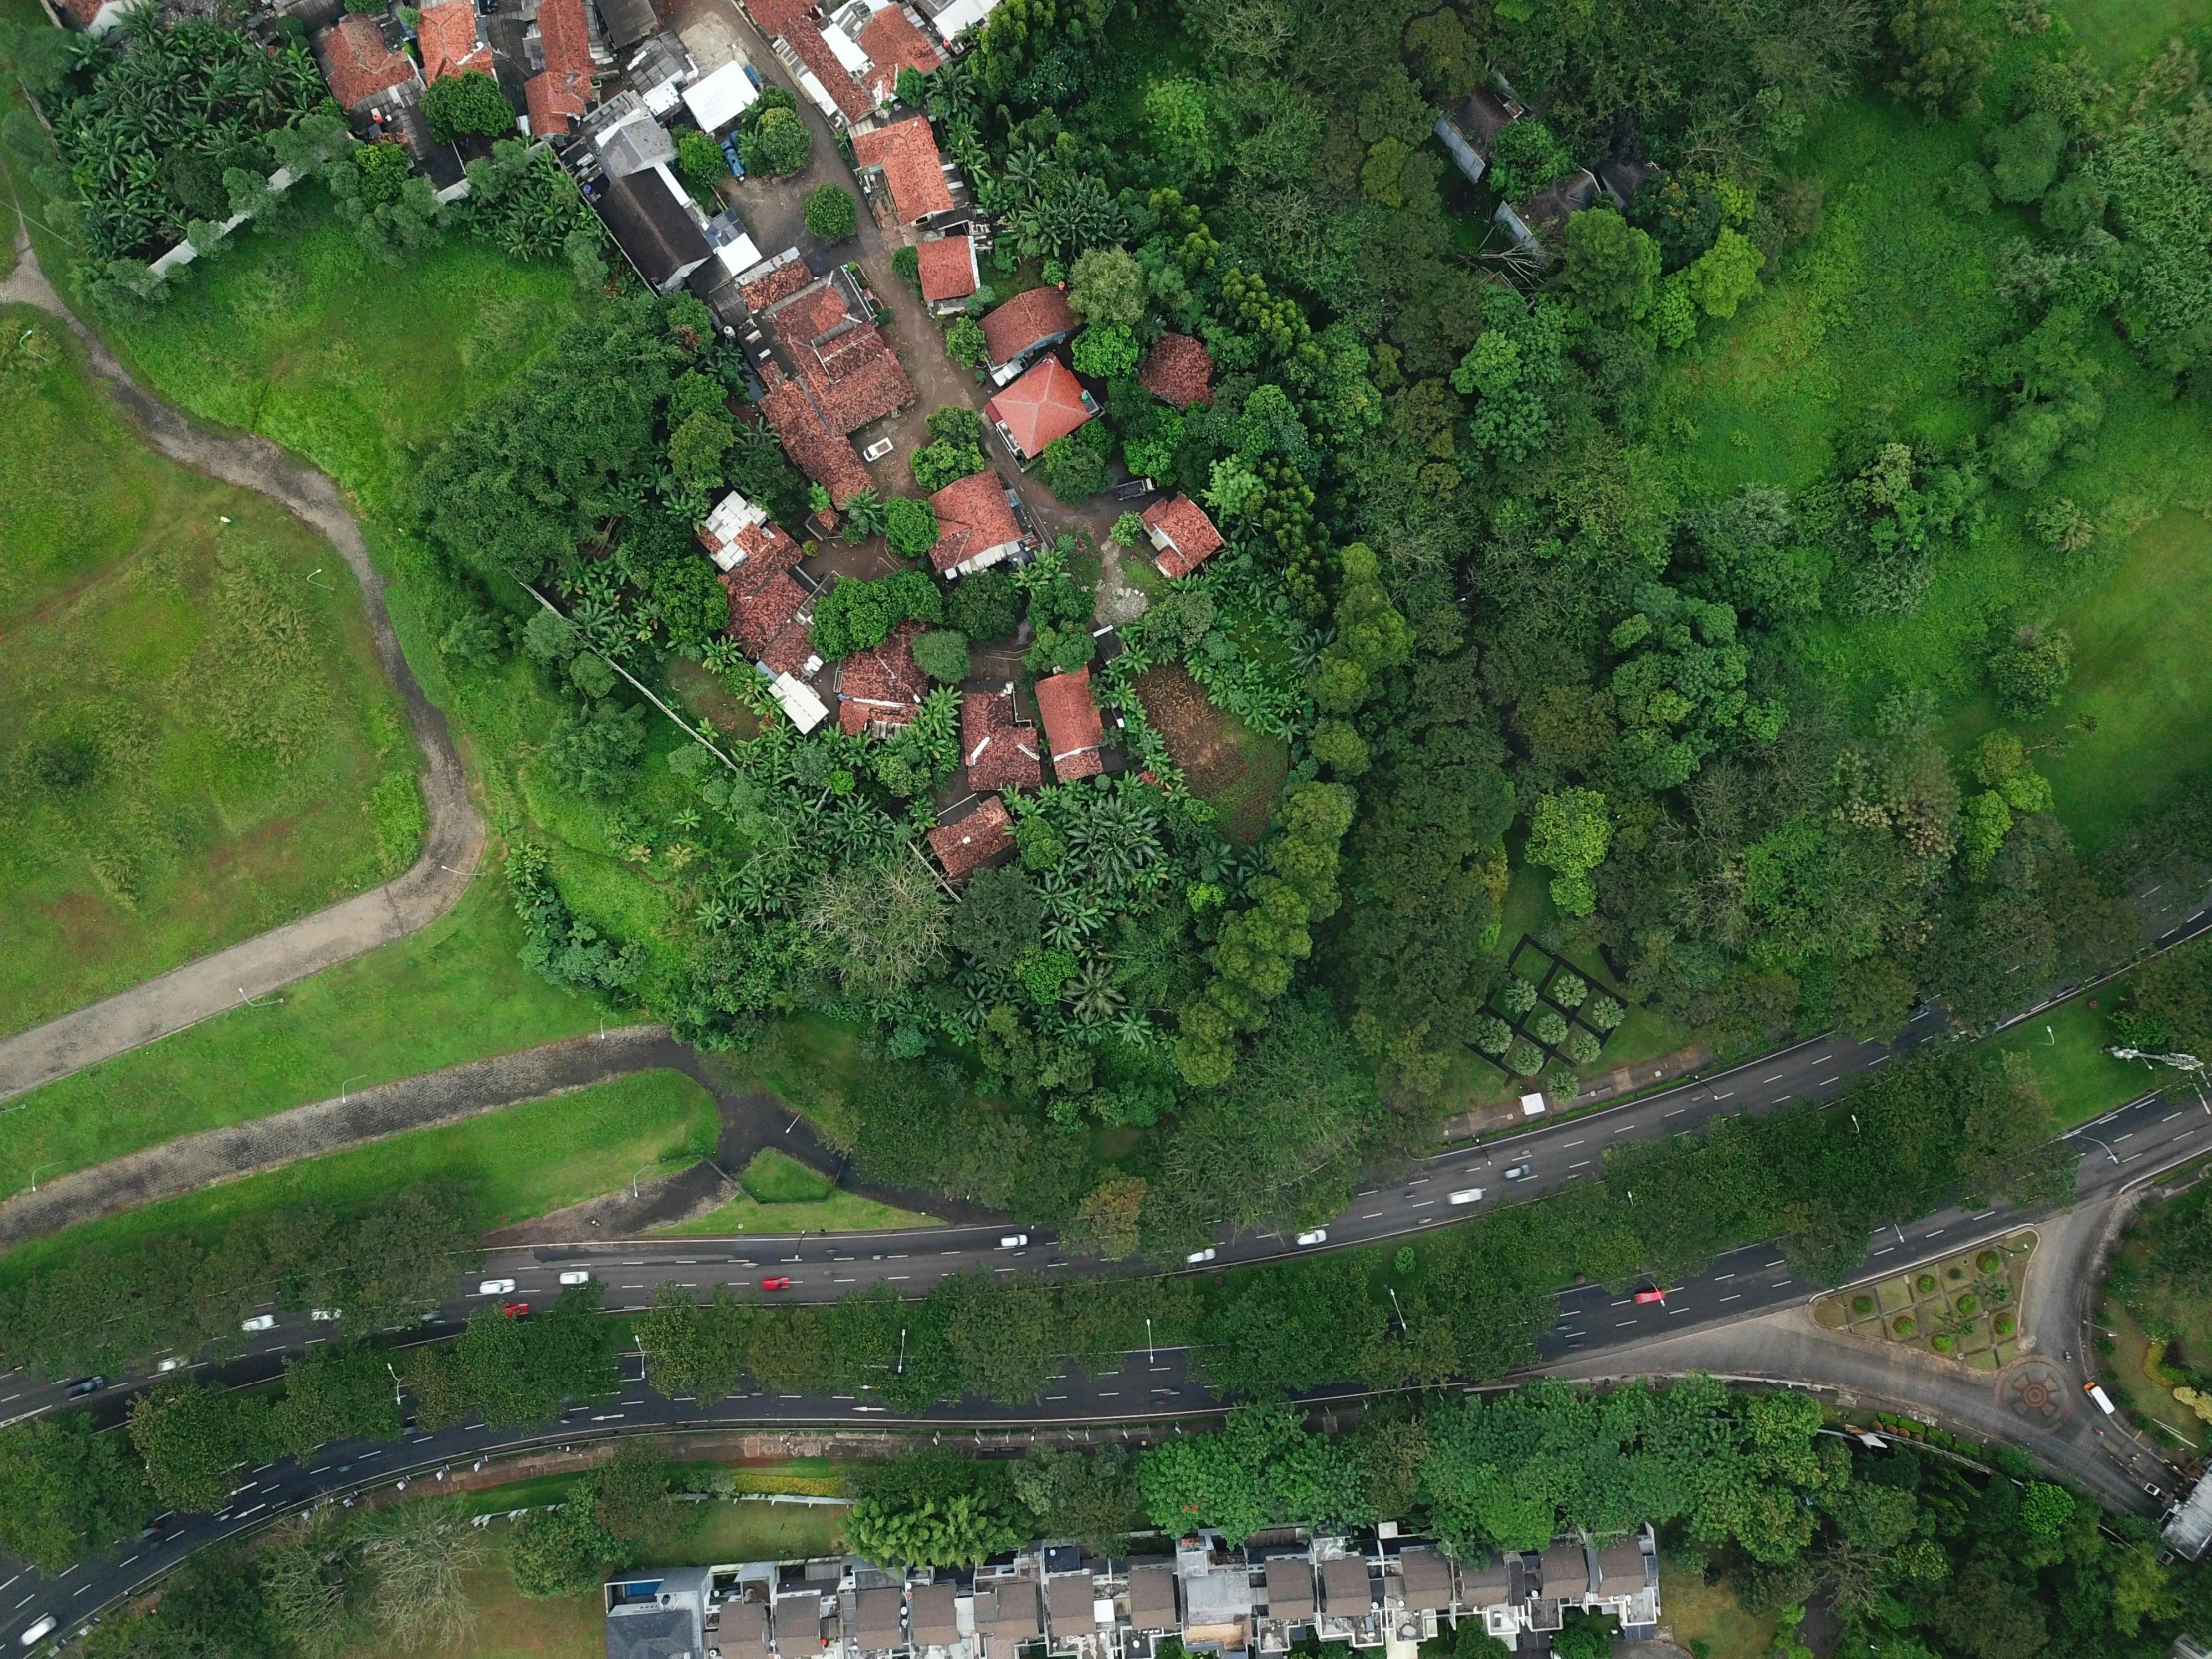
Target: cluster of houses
[(1536, 223), (1282, 1588)]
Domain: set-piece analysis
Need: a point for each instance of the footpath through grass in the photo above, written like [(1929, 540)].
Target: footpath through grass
[(453, 992), (505, 1166), (197, 743)]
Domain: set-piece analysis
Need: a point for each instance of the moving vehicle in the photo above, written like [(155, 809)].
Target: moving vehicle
[(257, 1322), (1198, 1255), (776, 1282), (1014, 1241), (170, 1362), (1651, 1293), (323, 1316), (87, 1385), (39, 1631), (1318, 1234), (1520, 1172), (2103, 1400), (494, 1286), (515, 1310), (575, 1276), (1466, 1195)]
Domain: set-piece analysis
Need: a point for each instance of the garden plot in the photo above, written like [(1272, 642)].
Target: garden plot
[(1966, 1307)]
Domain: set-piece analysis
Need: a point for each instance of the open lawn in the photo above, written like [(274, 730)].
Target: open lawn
[(1224, 761), (506, 1166), (195, 740), (1707, 1619), (2064, 1048), (456, 991), (781, 1194)]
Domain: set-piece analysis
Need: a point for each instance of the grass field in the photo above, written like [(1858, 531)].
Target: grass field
[(454, 992), (1224, 761), (1707, 1620), (197, 741), (2065, 1046), (781, 1194), (508, 1165)]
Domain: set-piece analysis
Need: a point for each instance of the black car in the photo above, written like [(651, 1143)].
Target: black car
[(86, 1386)]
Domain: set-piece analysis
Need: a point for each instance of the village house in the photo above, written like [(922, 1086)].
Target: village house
[(832, 372), (364, 66), (1072, 728), (880, 689), (965, 846), (1178, 371), (948, 273), (450, 41), (1468, 131), (769, 608), (901, 160), (1185, 536), (560, 91), (997, 748), (654, 222), (1029, 322), (1046, 403), (977, 526)]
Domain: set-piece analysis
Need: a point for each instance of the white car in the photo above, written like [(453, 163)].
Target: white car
[(170, 1362), (258, 1322), (494, 1286), (323, 1316), (575, 1276), (1198, 1255), (1467, 1195), (1318, 1234), (39, 1631), (1520, 1172), (1014, 1241), (878, 449)]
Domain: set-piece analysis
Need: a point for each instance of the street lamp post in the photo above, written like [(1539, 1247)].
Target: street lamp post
[(903, 1351), (1402, 1329), (2109, 1152), (1149, 1355), (398, 1398), (1854, 1123)]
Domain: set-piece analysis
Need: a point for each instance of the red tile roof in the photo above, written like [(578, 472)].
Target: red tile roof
[(906, 151), (763, 607), (893, 43), (82, 12), (1191, 536), (974, 517), (555, 99), (566, 36), (998, 754), (967, 844), (1178, 371), (447, 36), (780, 283), (948, 267), (779, 17), (1071, 725), (358, 64), (1046, 403), (850, 371), (884, 685), (822, 455), (812, 51), (1029, 320), (757, 535)]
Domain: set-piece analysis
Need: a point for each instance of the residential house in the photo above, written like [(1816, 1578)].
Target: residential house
[(1468, 131), (965, 846), (627, 22), (949, 271), (826, 64), (659, 1616), (364, 66), (1073, 730), (951, 20), (770, 612), (933, 1614), (880, 689), (1046, 403), (1031, 321), (659, 68), (623, 137), (737, 531), (1185, 536), (561, 91), (654, 222), (94, 17), (1007, 1611), (1625, 1581), (721, 97), (450, 41), (1178, 371), (998, 748), (903, 159), (832, 372), (1544, 217), (977, 526), (1214, 1584), (893, 39)]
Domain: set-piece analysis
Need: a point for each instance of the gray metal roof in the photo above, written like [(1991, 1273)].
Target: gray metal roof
[(2191, 1528), (1009, 1609), (929, 1608), (1151, 1597), (1490, 1586), (1427, 1580), (1070, 1596), (654, 1633), (1289, 1587), (1345, 1590), (744, 1630), (1566, 1570), (1621, 1568), (875, 1619)]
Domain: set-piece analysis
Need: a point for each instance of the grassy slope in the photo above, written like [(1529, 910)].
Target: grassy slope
[(781, 1194), (509, 1165), (454, 992), (139, 607)]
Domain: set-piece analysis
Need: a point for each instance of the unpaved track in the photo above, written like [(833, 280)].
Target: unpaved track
[(455, 842)]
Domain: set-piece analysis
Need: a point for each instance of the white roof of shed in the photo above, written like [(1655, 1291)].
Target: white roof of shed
[(721, 98)]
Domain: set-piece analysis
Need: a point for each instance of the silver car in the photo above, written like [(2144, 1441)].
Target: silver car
[(1520, 1172)]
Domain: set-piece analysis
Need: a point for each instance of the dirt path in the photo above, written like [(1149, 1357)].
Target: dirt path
[(455, 842), (748, 1122)]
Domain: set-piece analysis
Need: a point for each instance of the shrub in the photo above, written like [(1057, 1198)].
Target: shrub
[(1403, 1261), (1941, 1343), (985, 606), (1129, 530), (1862, 1304), (942, 653), (2031, 670), (1549, 1026), (1988, 1260), (1955, 1273), (906, 265), (1524, 1058), (852, 616), (957, 423), (471, 103), (1924, 1283), (1492, 1036), (1901, 1324), (1582, 1047), (1604, 1013), (911, 526), (1525, 157), (1074, 467), (941, 464), (1569, 989), (964, 342), (1969, 1303), (2005, 1324), (1516, 996), (1105, 351), (831, 212)]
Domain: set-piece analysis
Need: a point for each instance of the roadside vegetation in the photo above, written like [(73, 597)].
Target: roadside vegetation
[(777, 1193), (199, 743)]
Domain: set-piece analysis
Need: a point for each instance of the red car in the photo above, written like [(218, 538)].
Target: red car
[(776, 1282), (515, 1310), (1651, 1293)]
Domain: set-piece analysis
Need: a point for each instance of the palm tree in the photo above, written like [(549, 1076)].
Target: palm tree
[(1092, 993)]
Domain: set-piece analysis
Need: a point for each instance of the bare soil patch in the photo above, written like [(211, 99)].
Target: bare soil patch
[(1225, 761)]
